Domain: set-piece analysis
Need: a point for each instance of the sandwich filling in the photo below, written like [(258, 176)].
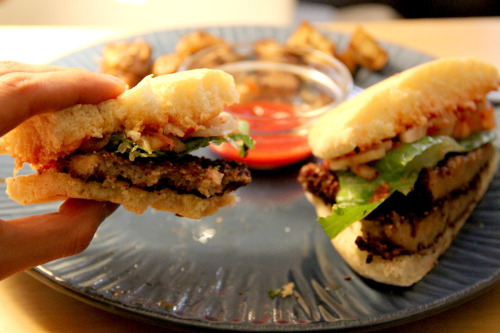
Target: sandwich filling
[(117, 158), (406, 224), (187, 175), (409, 189), (153, 161)]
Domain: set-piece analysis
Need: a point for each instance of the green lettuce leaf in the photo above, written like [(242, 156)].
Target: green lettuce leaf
[(398, 170), (121, 144)]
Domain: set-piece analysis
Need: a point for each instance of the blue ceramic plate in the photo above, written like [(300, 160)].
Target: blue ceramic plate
[(217, 272)]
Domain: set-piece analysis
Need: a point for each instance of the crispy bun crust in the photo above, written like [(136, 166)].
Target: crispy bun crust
[(410, 98), (403, 270), (184, 101), (52, 185)]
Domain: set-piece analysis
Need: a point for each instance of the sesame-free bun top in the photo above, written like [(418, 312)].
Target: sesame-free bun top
[(410, 98), (176, 104)]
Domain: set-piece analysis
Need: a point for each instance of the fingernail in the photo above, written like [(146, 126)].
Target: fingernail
[(117, 80)]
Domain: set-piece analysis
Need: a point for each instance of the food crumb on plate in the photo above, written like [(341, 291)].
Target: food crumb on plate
[(287, 290)]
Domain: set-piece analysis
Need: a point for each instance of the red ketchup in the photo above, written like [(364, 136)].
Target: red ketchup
[(273, 127)]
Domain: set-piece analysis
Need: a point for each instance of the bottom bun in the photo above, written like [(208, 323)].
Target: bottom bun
[(403, 270), (52, 185)]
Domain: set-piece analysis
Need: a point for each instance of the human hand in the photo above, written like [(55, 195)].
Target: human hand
[(27, 90)]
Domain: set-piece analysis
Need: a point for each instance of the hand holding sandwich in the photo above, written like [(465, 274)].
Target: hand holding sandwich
[(135, 149), (131, 147), (27, 90)]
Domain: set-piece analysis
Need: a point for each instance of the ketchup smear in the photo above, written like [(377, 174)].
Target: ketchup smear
[(279, 146)]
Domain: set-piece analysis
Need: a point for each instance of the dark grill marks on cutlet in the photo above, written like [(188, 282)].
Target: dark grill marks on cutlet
[(189, 175), (320, 181)]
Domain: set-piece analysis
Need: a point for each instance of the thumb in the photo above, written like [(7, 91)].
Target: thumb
[(30, 241)]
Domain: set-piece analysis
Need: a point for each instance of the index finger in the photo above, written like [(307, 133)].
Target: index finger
[(24, 94), (7, 67)]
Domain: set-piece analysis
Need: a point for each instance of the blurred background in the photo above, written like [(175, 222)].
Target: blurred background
[(174, 13)]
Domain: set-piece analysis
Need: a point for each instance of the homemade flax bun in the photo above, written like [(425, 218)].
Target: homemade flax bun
[(404, 164), (134, 150)]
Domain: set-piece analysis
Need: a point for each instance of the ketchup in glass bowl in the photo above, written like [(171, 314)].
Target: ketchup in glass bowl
[(283, 91)]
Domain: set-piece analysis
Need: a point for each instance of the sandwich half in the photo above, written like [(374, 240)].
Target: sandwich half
[(403, 165), (135, 149)]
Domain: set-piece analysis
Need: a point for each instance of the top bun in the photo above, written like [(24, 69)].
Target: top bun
[(410, 98), (176, 104)]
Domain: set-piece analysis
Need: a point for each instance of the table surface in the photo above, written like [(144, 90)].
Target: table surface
[(28, 305)]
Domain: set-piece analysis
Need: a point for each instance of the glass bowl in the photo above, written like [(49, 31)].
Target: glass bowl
[(283, 91)]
